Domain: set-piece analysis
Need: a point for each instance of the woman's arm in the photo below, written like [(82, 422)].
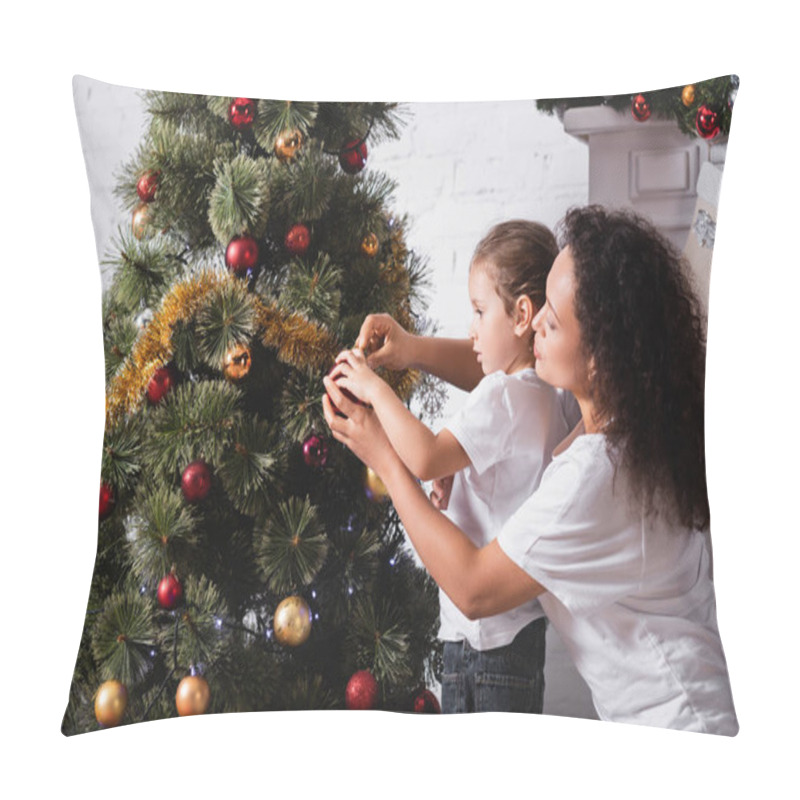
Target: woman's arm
[(480, 581), (389, 345)]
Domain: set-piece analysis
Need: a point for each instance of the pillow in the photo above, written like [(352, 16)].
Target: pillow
[(246, 560)]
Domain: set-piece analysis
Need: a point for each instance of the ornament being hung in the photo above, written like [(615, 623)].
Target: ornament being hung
[(162, 381), (241, 112), (297, 239), (688, 95), (287, 144), (361, 693), (426, 702), (107, 501), (170, 591), (370, 244), (193, 695), (640, 108), (140, 220), (315, 451), (147, 186), (110, 703), (292, 623), (707, 122), (237, 362), (374, 486), (196, 481), (241, 254), (353, 156)]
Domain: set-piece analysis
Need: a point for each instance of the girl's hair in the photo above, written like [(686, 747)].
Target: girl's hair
[(518, 255), (641, 324)]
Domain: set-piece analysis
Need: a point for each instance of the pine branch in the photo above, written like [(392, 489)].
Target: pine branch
[(274, 117), (312, 289), (226, 318), (239, 201)]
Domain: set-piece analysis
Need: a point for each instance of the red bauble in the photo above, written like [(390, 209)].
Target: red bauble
[(362, 691), (170, 592), (146, 187), (297, 240), (640, 108), (162, 381), (707, 122), (241, 254), (107, 501), (196, 481), (426, 702), (241, 112), (353, 156), (315, 451)]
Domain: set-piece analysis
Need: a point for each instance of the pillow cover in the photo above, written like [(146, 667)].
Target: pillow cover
[(246, 560)]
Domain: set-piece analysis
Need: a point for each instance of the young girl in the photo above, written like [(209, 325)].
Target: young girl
[(496, 447)]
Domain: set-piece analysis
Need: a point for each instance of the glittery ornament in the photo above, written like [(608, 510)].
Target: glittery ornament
[(193, 696), (361, 693), (107, 501), (353, 156), (196, 481), (170, 591), (241, 112), (237, 363), (374, 486), (146, 186), (426, 702), (707, 122), (298, 239), (241, 254), (292, 623), (110, 703), (315, 451), (287, 144), (688, 95), (370, 244), (640, 108), (140, 220), (162, 381)]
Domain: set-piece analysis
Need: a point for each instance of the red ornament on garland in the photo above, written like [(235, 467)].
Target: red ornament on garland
[(196, 481), (170, 591), (241, 254), (353, 156), (362, 691), (162, 381), (426, 702), (298, 239), (706, 122), (107, 501), (147, 185), (640, 108), (315, 451), (241, 112)]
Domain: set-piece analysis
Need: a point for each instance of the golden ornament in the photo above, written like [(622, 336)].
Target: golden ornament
[(110, 703), (140, 220), (687, 95), (375, 487), (193, 696), (370, 244), (287, 144), (237, 362), (292, 622)]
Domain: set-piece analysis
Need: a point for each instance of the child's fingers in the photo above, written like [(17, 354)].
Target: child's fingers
[(333, 419), (338, 399)]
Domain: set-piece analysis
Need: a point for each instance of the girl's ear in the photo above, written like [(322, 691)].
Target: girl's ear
[(524, 312)]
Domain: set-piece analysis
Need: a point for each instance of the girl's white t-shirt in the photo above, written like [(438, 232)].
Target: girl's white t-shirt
[(508, 426), (631, 597)]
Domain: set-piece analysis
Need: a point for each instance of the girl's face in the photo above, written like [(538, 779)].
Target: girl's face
[(557, 346), (492, 331)]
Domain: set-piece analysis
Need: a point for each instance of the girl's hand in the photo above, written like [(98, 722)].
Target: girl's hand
[(440, 495), (388, 344), (352, 373), (360, 430)]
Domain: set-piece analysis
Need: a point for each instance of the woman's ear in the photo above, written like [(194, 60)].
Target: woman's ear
[(524, 312)]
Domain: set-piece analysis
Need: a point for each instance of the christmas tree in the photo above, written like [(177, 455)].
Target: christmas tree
[(245, 559)]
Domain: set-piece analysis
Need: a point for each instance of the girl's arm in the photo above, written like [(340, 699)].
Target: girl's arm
[(428, 455), (480, 581), (390, 346)]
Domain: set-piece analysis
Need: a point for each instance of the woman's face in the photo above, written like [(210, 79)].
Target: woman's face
[(557, 345)]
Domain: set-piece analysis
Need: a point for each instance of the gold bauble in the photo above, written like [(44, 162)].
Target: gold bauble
[(292, 622), (193, 696), (687, 95), (375, 487), (370, 244), (110, 703), (140, 220), (236, 364), (287, 144)]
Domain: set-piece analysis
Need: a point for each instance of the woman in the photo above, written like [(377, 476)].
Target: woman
[(612, 540)]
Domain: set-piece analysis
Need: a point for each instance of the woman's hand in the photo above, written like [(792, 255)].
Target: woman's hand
[(440, 494), (385, 342), (352, 373)]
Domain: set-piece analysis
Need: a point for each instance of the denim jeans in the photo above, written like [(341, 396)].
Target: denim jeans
[(509, 678)]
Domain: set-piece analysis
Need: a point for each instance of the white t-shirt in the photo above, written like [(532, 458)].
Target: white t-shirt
[(508, 427), (631, 598)]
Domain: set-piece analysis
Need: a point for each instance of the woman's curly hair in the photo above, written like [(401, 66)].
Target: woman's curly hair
[(642, 325)]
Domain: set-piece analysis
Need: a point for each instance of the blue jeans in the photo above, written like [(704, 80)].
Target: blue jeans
[(509, 678)]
